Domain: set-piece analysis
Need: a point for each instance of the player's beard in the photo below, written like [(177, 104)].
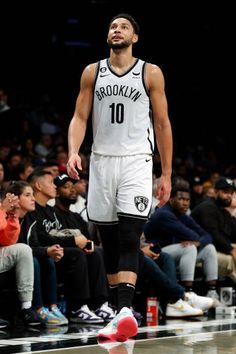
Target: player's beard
[(121, 45)]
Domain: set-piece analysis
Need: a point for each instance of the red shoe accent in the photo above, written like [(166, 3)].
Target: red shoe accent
[(126, 327)]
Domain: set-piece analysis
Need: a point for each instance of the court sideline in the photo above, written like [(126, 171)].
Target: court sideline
[(199, 335)]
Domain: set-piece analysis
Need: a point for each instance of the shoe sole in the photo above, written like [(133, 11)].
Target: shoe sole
[(63, 323), (185, 315), (74, 320), (126, 327)]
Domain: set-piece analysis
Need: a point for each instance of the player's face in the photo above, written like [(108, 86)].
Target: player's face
[(121, 34)]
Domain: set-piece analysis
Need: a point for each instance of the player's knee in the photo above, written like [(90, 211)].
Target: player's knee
[(130, 230)]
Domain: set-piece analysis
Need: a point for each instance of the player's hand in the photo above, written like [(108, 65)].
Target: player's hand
[(163, 190), (74, 166)]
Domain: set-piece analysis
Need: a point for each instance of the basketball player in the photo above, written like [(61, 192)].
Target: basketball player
[(125, 95)]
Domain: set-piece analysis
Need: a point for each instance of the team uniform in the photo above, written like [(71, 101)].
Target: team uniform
[(123, 143)]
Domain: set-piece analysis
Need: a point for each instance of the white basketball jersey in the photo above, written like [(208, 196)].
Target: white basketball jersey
[(122, 123)]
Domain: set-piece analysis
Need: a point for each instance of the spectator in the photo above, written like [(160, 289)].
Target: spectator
[(44, 147), (181, 237), (52, 167), (80, 206), (12, 165), (232, 208), (213, 216), (159, 268), (196, 191), (44, 267), (17, 255), (23, 170), (71, 221)]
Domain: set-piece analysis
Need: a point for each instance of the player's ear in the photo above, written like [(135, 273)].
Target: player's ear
[(135, 38)]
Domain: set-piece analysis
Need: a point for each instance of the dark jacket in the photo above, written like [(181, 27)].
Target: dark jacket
[(71, 220), (36, 227), (168, 227), (218, 221)]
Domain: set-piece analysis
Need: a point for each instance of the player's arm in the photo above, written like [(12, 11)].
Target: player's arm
[(162, 127), (78, 124)]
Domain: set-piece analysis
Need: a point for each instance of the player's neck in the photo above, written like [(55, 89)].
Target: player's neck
[(121, 62)]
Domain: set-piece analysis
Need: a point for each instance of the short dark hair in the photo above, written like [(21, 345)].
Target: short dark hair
[(128, 17), (181, 186), (37, 173)]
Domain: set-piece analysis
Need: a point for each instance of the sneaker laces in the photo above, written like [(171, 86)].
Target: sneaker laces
[(213, 294), (106, 308), (87, 310), (56, 311), (191, 297), (44, 311)]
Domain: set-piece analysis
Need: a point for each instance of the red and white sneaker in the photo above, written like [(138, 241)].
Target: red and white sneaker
[(122, 327)]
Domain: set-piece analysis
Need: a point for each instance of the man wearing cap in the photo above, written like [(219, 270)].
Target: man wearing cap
[(213, 217), (196, 191), (73, 223)]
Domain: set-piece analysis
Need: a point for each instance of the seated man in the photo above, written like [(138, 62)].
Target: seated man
[(73, 224), (213, 216), (159, 268), (181, 237)]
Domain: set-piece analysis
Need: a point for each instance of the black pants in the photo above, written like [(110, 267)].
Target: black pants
[(83, 276)]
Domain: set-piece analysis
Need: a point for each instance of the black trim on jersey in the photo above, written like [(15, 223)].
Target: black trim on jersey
[(95, 80), (119, 214), (143, 80), (135, 216), (97, 72), (103, 222), (114, 73), (150, 142), (150, 114)]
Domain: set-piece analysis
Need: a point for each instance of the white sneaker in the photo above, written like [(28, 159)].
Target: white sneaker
[(85, 315), (200, 302), (122, 327), (216, 299), (182, 309), (105, 312)]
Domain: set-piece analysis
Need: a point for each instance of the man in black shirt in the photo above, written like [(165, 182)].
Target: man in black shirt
[(214, 218), (72, 224)]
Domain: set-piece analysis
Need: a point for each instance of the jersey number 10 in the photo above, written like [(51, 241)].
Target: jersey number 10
[(117, 113)]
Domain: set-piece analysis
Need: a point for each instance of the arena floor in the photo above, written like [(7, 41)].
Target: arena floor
[(198, 335)]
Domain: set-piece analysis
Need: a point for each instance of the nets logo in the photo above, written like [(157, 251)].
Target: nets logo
[(141, 203), (103, 69)]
